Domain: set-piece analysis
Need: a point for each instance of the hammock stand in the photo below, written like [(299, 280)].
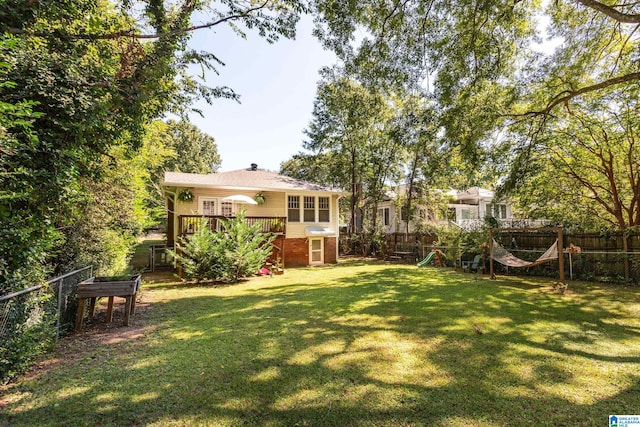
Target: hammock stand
[(500, 254)]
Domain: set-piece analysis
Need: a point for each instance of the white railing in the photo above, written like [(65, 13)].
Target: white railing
[(474, 224)]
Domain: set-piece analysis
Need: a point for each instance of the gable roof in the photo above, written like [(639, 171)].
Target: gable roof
[(244, 179)]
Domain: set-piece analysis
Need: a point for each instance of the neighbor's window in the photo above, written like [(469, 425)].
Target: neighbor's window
[(499, 211), (309, 209), (323, 209), (383, 214), (293, 208)]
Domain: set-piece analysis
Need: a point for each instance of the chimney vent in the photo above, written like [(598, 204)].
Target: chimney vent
[(254, 166)]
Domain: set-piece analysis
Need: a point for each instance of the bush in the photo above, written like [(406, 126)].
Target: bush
[(238, 250), (28, 330)]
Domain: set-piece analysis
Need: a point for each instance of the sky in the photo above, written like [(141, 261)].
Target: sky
[(277, 85)]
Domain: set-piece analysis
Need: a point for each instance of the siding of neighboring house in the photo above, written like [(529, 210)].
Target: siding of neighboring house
[(469, 210)]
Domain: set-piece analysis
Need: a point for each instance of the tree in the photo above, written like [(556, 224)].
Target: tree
[(96, 87), (314, 167), (350, 129), (590, 157), (193, 151), (477, 62), (238, 250), (86, 81)]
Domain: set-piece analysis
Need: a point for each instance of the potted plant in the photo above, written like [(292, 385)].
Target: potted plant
[(276, 225), (185, 195), (259, 198)]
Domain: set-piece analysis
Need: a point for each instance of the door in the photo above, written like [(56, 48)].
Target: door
[(316, 251)]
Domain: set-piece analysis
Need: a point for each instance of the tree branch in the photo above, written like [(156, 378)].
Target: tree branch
[(570, 94), (132, 33), (627, 18)]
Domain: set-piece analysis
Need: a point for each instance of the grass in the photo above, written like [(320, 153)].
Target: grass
[(350, 345)]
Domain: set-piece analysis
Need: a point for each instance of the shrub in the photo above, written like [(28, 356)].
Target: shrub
[(238, 250), (199, 253), (246, 248)]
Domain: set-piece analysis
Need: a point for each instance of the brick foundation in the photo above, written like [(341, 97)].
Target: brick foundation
[(330, 250), (296, 251)]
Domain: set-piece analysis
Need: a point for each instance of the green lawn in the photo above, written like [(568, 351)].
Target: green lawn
[(350, 345)]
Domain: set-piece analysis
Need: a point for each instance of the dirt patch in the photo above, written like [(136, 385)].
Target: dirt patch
[(96, 334)]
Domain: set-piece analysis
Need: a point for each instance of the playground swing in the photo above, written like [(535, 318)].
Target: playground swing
[(504, 257)]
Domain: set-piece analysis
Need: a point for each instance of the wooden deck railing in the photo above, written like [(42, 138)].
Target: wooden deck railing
[(189, 224)]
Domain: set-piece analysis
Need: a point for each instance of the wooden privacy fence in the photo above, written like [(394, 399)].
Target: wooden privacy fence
[(603, 257)]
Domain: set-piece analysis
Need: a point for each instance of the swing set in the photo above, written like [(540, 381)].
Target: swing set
[(498, 253)]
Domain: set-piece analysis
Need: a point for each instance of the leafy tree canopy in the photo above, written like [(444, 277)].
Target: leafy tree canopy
[(476, 57)]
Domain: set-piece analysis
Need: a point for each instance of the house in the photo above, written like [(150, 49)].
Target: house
[(466, 209), (472, 206), (303, 215)]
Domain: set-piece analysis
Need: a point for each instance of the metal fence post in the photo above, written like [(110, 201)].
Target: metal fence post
[(59, 311)]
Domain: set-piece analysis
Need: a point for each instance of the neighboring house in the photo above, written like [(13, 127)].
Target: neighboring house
[(466, 209), (473, 205), (304, 216)]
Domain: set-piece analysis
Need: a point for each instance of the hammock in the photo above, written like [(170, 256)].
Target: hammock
[(503, 256)]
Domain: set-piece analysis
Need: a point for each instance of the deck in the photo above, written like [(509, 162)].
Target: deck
[(189, 224)]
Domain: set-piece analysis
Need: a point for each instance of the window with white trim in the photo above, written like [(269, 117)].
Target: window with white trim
[(226, 208), (208, 205), (309, 209), (383, 215), (323, 209), (498, 211), (293, 208)]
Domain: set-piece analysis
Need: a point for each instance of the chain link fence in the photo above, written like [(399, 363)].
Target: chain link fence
[(33, 318)]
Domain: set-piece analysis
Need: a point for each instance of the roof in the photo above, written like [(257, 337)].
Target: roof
[(244, 179), (475, 193)]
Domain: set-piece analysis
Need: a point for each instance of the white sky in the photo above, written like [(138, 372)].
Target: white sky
[(277, 83)]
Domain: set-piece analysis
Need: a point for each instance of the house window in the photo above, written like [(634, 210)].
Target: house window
[(498, 211), (208, 206), (293, 208), (467, 214), (383, 214), (309, 209), (226, 208), (323, 209), (404, 214)]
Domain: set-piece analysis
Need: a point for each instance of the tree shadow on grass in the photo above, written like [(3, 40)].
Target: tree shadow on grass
[(390, 346)]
